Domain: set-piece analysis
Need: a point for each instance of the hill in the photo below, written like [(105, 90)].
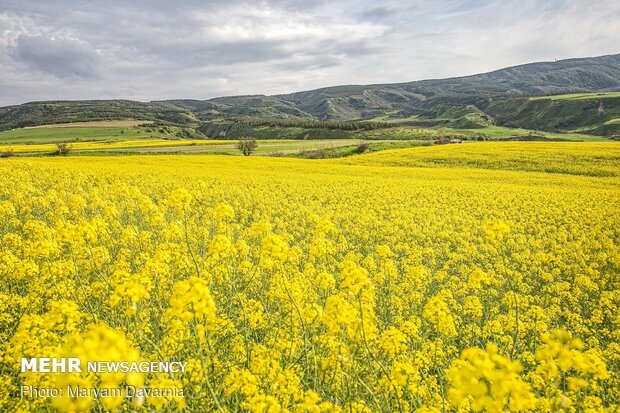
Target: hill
[(534, 79), (516, 97)]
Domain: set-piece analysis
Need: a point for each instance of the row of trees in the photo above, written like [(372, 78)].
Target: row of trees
[(314, 124)]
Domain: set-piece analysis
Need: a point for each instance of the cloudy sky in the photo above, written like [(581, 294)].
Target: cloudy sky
[(159, 49)]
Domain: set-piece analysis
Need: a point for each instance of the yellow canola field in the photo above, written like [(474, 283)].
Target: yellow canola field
[(316, 286), (575, 158), (103, 145)]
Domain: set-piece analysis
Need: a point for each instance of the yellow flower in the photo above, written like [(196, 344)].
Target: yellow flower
[(495, 230), (191, 299), (353, 279), (490, 381), (273, 250), (561, 354), (179, 199), (263, 404), (219, 247), (98, 343), (393, 342), (224, 212), (339, 313), (477, 278), (241, 381), (437, 312)]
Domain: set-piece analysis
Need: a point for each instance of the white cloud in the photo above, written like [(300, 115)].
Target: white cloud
[(155, 49)]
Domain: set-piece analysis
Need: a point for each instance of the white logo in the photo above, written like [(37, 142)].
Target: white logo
[(51, 365)]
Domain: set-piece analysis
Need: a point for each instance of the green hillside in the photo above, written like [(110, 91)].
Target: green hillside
[(566, 113), (535, 79), (53, 112), (573, 95)]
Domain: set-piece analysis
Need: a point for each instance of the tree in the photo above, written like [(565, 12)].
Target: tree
[(247, 145), (63, 148)]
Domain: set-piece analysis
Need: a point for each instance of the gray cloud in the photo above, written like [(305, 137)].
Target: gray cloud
[(158, 49), (57, 56), (378, 13)]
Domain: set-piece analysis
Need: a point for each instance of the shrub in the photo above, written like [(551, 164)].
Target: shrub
[(362, 147), (63, 148), (7, 153)]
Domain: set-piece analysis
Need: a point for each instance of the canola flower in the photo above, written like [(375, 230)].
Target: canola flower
[(330, 286), (489, 382)]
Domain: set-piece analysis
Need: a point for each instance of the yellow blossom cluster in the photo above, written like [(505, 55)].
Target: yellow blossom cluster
[(488, 381), (375, 283)]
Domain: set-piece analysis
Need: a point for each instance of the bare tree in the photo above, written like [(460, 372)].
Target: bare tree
[(247, 145)]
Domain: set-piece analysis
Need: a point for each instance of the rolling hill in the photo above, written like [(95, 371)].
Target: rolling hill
[(515, 97)]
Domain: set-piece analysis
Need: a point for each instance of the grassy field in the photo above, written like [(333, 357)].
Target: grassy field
[(355, 149), (99, 137), (426, 279), (491, 132), (100, 131), (265, 147), (501, 132), (72, 134), (579, 96)]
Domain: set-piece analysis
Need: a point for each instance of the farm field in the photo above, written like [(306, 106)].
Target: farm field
[(41, 135), (214, 146), (602, 159), (475, 277), (105, 145), (126, 138), (265, 147), (104, 139), (492, 132), (502, 132)]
